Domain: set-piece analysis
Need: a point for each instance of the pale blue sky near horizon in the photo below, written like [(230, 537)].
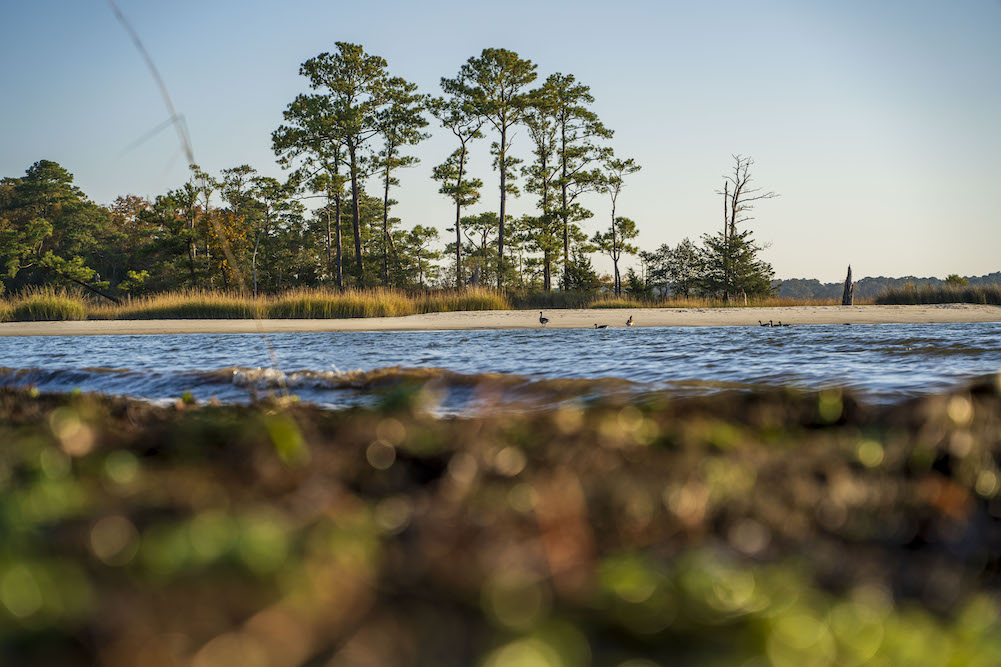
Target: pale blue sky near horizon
[(879, 124)]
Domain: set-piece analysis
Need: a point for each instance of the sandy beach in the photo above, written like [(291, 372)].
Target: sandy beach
[(521, 319)]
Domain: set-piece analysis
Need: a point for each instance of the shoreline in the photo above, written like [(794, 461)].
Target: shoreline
[(524, 319)]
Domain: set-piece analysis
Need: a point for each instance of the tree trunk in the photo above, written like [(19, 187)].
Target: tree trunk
[(848, 296), (503, 195), (726, 241), (337, 237), (385, 224), (458, 245), (191, 262), (615, 260), (253, 259), (547, 280), (356, 215), (564, 213), (458, 218), (330, 263)]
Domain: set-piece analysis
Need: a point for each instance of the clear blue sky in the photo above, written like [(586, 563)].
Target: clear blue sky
[(879, 123)]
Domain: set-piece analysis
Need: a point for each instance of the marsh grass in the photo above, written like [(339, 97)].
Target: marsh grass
[(909, 294), (331, 304), (324, 303), (302, 303), (553, 300), (44, 304), (609, 301), (189, 304)]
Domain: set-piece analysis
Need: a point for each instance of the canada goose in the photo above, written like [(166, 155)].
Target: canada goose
[(629, 322), (762, 324), (543, 320), (779, 324), (602, 326)]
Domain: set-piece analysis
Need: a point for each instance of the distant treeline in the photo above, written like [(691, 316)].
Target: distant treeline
[(870, 288)]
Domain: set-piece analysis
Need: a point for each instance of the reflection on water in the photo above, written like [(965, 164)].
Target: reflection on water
[(882, 361)]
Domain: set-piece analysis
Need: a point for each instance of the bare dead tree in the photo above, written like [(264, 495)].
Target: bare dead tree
[(739, 198), (848, 296)]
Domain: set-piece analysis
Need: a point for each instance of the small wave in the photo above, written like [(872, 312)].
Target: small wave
[(269, 378), (240, 384)]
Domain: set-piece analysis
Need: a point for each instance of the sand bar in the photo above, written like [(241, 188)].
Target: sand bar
[(523, 319)]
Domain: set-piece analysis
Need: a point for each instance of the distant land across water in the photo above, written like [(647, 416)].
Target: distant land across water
[(866, 288)]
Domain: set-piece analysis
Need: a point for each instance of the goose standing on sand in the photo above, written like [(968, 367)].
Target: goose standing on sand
[(629, 322), (543, 320)]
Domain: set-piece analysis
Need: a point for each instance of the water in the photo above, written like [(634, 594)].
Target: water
[(883, 362)]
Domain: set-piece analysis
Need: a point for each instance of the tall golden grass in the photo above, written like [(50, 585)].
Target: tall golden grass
[(983, 294), (44, 304), (530, 300), (610, 301), (324, 303), (301, 303)]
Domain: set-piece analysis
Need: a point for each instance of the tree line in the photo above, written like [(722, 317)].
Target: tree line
[(342, 145)]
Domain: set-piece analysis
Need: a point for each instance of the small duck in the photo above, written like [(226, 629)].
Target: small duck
[(629, 322), (543, 320), (600, 326)]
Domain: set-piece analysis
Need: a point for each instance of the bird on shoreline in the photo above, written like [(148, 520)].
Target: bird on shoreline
[(602, 326), (779, 324), (543, 320), (762, 324), (629, 322)]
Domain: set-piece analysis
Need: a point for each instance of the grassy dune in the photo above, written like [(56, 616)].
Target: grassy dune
[(780, 528)]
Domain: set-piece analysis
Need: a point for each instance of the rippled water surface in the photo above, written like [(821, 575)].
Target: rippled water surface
[(884, 362)]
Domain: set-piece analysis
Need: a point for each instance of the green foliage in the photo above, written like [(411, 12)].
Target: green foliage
[(732, 267), (580, 275), (954, 280), (636, 287), (182, 514)]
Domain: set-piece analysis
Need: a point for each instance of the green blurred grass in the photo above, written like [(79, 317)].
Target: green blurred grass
[(787, 528)]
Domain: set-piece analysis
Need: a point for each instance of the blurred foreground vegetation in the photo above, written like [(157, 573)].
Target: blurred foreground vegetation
[(778, 528)]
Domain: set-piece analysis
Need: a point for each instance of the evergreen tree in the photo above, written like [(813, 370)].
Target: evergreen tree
[(400, 124), (494, 85), (731, 266), (357, 92), (614, 242), (615, 171), (462, 120), (579, 157)]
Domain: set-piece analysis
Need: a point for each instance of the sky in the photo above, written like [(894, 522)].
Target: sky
[(877, 123)]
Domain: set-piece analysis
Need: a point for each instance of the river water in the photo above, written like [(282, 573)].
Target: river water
[(883, 362)]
